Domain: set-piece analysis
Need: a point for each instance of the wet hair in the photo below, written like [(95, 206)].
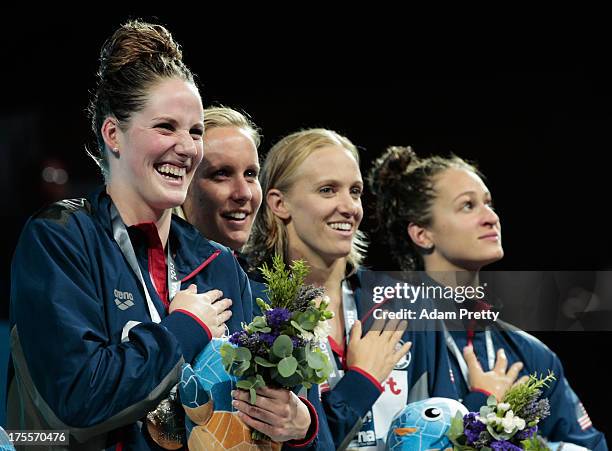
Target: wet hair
[(280, 170), (404, 188), (221, 116), (137, 56)]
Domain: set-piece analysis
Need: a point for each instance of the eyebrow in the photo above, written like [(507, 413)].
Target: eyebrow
[(175, 122), (334, 181), (486, 193)]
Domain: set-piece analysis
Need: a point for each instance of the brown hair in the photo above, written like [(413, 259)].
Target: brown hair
[(134, 58), (403, 185)]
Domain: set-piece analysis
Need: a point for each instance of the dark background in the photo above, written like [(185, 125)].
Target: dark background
[(536, 116)]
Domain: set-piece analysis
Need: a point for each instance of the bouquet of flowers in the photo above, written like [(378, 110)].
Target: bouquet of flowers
[(511, 425), (281, 347)]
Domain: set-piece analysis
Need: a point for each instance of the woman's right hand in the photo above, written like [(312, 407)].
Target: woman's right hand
[(376, 352), (207, 307), (497, 381)]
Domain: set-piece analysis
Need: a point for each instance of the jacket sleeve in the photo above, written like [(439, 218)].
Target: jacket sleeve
[(349, 401), (64, 358), (568, 421)]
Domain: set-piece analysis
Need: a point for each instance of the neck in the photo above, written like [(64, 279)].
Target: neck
[(135, 211), (328, 275), (450, 274)]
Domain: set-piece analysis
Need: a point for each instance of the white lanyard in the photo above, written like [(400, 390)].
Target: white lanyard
[(122, 238), (454, 349), (350, 316)]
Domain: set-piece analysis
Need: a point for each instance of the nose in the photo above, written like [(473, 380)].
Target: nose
[(348, 205), (186, 146), (241, 190), (490, 218)]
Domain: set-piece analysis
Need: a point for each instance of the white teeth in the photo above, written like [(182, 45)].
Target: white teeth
[(341, 226), (236, 215), (172, 170)]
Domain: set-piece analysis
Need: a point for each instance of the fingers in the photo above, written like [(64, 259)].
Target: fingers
[(399, 332), (501, 364), (193, 288), (281, 394), (522, 380), (471, 359), (390, 328), (222, 305), (402, 351), (514, 371), (254, 423), (212, 295), (257, 411), (356, 332)]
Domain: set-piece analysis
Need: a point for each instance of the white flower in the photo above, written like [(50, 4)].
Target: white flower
[(519, 423), (503, 406), (322, 330), (307, 335), (491, 419)]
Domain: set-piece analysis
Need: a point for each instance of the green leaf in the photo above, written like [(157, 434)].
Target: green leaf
[(491, 401), (263, 362), (244, 384), (253, 395), (228, 353), (241, 368), (316, 360), (287, 366), (242, 354), (263, 305), (297, 326), (456, 427), (282, 347)]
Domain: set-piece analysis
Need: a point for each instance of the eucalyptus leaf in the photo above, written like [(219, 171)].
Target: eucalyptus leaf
[(263, 362), (282, 347), (315, 360), (244, 384), (287, 366), (242, 354)]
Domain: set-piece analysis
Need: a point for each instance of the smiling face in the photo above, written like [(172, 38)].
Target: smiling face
[(324, 206), (224, 198), (465, 230), (157, 152)]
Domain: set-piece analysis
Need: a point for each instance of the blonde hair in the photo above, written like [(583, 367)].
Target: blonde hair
[(280, 171), (222, 116)]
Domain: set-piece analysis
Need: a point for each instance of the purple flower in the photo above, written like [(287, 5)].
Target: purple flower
[(276, 317), (237, 337), (268, 338), (526, 433), (298, 342), (503, 445), (472, 427)]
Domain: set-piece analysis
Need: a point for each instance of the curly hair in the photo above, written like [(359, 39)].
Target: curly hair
[(403, 185)]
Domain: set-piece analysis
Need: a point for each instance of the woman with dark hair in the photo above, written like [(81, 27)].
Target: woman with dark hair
[(110, 295), (437, 216)]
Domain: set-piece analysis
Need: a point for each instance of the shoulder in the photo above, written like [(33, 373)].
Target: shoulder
[(62, 211)]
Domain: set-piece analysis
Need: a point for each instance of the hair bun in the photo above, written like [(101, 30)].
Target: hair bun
[(135, 41), (390, 166)]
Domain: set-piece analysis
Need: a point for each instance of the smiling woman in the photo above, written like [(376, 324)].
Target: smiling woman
[(312, 186), (111, 294), (225, 195)]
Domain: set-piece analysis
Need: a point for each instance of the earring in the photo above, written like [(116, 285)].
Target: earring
[(115, 149)]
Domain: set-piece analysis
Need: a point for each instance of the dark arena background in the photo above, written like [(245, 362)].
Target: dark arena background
[(538, 127)]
